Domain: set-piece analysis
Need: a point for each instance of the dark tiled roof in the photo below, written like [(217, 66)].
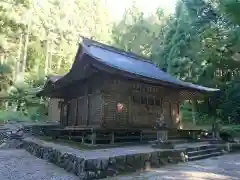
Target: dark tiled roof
[(131, 63)]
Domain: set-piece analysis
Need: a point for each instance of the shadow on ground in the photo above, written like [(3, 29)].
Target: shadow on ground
[(225, 167)]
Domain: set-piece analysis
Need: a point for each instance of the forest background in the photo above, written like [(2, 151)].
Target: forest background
[(199, 42)]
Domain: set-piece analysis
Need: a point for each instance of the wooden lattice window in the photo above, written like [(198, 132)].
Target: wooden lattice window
[(143, 100), (150, 101), (136, 99), (158, 102)]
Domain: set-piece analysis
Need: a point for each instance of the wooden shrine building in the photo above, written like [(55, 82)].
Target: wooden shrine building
[(54, 103), (109, 88)]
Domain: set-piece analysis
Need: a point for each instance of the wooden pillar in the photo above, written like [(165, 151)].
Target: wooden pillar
[(129, 109), (93, 137), (88, 104), (213, 113), (112, 138), (88, 110), (83, 138), (69, 135), (77, 113), (64, 114)]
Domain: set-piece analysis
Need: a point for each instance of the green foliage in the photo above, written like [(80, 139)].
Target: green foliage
[(199, 43), (231, 9), (234, 130), (38, 38), (12, 115)]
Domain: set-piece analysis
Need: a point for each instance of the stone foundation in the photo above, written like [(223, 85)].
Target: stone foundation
[(100, 167)]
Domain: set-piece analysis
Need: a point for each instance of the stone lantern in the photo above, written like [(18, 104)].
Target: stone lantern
[(162, 135)]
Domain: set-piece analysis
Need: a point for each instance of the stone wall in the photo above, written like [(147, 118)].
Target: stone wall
[(87, 168)]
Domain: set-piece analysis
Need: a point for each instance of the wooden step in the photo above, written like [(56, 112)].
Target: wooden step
[(201, 147)]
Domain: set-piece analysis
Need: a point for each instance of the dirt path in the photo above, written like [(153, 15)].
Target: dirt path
[(20, 165), (225, 167)]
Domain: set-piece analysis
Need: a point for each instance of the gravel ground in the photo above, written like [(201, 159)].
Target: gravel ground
[(225, 167), (20, 165)]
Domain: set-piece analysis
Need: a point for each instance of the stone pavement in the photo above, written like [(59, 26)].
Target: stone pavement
[(225, 167), (20, 165), (108, 152), (97, 153)]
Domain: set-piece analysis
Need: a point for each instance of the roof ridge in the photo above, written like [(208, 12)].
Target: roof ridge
[(90, 42)]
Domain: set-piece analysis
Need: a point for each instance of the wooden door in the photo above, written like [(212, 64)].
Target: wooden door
[(175, 114), (166, 107), (64, 114)]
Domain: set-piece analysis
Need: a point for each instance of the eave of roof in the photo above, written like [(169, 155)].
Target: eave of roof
[(114, 60), (128, 62)]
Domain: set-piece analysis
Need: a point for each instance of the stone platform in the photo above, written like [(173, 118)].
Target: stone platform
[(92, 164), (101, 163)]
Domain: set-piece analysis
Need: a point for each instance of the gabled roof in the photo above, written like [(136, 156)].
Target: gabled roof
[(136, 65), (112, 60)]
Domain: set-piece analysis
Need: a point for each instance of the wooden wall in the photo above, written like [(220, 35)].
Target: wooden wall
[(86, 110), (143, 104), (54, 110), (112, 118), (94, 103), (85, 103)]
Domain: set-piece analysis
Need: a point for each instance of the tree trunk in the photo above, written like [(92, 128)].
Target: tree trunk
[(46, 59), (50, 57), (19, 57), (59, 63), (2, 59), (26, 44)]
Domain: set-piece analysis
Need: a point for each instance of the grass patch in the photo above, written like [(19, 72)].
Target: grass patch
[(232, 129), (12, 115)]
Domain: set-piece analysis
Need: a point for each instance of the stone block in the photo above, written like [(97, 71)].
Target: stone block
[(112, 160), (91, 164), (91, 175), (139, 162), (145, 156), (162, 162), (118, 160), (83, 176), (130, 160), (105, 163), (69, 165)]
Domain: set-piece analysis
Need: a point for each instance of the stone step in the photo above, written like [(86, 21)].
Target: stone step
[(202, 152), (204, 156), (201, 147)]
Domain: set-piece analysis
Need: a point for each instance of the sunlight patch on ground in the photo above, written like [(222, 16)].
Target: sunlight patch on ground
[(225, 167)]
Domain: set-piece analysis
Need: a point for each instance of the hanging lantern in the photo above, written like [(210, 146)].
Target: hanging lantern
[(120, 107)]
